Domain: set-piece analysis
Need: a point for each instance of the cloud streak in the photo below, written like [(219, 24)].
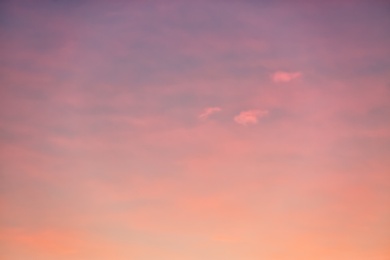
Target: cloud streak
[(207, 112)]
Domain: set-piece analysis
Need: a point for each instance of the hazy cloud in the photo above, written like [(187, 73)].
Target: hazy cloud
[(250, 116), (282, 76), (209, 111)]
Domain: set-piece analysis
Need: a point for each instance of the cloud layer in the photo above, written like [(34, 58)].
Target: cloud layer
[(122, 130)]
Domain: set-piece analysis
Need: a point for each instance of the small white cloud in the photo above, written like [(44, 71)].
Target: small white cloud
[(282, 76), (209, 111), (250, 117)]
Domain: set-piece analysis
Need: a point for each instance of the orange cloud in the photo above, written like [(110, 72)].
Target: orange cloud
[(250, 117), (282, 76)]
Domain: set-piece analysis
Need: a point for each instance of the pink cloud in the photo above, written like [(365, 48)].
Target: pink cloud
[(209, 111), (250, 116), (281, 76)]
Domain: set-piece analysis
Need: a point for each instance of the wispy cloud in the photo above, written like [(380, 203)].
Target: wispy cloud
[(281, 76), (209, 111), (129, 130), (250, 117)]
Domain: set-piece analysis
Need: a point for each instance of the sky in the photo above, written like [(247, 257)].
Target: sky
[(195, 130)]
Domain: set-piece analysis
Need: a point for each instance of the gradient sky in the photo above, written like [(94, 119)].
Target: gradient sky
[(195, 130)]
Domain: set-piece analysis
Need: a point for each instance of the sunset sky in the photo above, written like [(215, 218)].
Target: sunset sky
[(195, 130)]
